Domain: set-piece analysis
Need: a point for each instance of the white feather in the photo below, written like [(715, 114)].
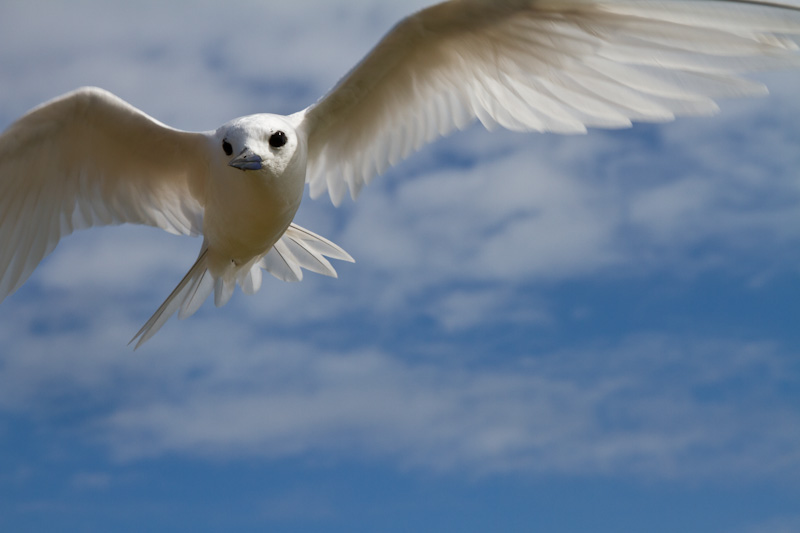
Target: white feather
[(544, 65), (300, 248), (88, 159)]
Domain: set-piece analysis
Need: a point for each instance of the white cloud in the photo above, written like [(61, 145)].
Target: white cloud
[(114, 260), (463, 309), (647, 406), (91, 480), (192, 64), (780, 524)]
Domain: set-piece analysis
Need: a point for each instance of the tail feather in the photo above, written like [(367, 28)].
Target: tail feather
[(297, 249), (250, 281), (300, 248), (223, 290), (319, 244), (197, 292), (188, 296)]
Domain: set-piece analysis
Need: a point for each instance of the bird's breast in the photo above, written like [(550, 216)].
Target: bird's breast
[(246, 214)]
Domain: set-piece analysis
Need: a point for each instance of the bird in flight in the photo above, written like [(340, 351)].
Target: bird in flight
[(88, 158)]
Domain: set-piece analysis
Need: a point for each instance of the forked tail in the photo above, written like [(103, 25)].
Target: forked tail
[(297, 249)]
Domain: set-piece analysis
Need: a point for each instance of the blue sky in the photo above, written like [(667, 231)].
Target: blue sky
[(540, 333)]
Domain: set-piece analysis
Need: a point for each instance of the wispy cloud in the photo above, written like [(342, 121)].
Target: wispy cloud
[(650, 406), (647, 406)]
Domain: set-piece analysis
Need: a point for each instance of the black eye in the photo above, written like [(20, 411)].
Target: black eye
[(278, 139), (227, 148)]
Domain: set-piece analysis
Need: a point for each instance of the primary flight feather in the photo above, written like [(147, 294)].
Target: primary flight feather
[(88, 158)]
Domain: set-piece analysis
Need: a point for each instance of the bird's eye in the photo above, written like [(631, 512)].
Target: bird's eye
[(278, 139), (227, 148)]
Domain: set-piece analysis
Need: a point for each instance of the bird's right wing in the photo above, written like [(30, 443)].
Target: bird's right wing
[(543, 65), (85, 159)]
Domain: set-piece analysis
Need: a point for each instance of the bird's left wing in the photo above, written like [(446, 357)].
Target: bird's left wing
[(545, 65), (85, 159)]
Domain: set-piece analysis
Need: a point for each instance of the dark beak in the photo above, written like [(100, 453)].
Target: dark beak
[(247, 160)]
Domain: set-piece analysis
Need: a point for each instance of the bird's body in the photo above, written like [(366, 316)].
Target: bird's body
[(247, 212), (247, 206), (88, 158)]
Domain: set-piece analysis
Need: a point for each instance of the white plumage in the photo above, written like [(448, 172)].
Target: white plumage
[(88, 158)]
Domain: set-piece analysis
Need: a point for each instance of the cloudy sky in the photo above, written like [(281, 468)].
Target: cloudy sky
[(540, 333)]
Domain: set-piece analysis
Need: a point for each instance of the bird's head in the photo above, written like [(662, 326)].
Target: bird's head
[(261, 143)]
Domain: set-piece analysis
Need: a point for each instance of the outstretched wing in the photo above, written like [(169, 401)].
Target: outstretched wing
[(88, 158), (544, 65)]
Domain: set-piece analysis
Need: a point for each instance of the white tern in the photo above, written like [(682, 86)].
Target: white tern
[(88, 158)]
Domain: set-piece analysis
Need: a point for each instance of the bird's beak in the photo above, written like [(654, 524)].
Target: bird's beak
[(246, 160)]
